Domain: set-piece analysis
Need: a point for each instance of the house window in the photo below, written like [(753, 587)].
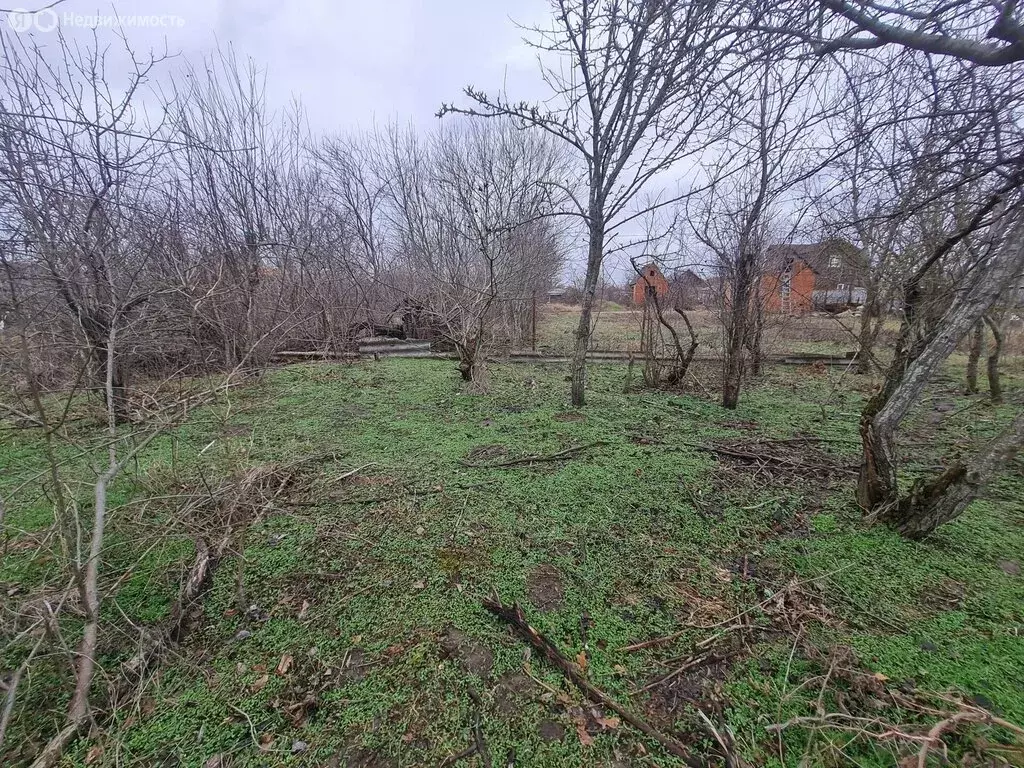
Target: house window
[(835, 262)]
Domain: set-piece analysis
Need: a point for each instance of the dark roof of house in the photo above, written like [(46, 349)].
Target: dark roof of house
[(816, 255), (688, 277)]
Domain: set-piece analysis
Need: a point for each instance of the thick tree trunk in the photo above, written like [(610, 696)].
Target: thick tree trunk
[(754, 340), (595, 256), (973, 355), (995, 387), (737, 329), (913, 366), (930, 504)]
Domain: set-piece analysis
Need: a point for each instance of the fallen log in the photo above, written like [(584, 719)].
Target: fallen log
[(513, 615)]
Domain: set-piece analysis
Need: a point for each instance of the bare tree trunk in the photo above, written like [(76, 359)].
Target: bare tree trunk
[(870, 324), (995, 388), (973, 355), (595, 256), (754, 338), (911, 370), (930, 504), (738, 318), (650, 336)]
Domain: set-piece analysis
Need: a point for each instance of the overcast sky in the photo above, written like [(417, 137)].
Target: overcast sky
[(350, 61)]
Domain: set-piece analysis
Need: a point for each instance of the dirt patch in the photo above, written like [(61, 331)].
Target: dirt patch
[(361, 757), (699, 688), (512, 691), (471, 655), (354, 666), (549, 730), (546, 588), (1010, 567), (947, 595), (569, 416)]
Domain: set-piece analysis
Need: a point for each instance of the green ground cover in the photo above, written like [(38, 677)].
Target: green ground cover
[(358, 636)]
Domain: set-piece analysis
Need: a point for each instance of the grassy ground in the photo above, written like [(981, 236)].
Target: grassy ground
[(618, 328), (361, 639)]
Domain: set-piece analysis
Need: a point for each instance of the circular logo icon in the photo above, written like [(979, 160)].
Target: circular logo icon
[(46, 20), (20, 20)]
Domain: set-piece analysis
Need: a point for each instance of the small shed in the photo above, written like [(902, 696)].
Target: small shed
[(651, 283), (557, 294)]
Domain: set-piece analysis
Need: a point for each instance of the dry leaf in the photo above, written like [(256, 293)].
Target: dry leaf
[(261, 681), (880, 677), (581, 659), (266, 742), (94, 754), (303, 610), (581, 728), (608, 722), (285, 664)]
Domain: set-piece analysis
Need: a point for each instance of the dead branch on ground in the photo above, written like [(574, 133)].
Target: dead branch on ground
[(513, 615), (568, 453)]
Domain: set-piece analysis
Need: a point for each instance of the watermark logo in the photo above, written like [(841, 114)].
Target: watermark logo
[(47, 20)]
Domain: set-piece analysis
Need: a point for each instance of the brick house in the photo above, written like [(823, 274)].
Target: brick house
[(687, 289), (841, 270), (651, 282), (787, 286)]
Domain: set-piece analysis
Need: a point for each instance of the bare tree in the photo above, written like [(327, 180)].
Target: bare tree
[(636, 88), (79, 169), (771, 151), (989, 33), (970, 250)]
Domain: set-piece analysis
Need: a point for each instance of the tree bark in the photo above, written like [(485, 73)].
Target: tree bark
[(738, 317), (973, 355), (595, 256), (995, 387), (914, 364), (870, 324), (930, 504)]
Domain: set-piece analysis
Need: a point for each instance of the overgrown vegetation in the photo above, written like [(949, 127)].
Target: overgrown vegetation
[(347, 625)]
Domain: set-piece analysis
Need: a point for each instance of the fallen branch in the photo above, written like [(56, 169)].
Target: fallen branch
[(479, 745), (568, 453), (513, 615), (972, 715), (764, 458)]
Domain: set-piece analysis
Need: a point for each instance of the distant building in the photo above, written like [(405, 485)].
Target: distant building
[(651, 283), (557, 294), (841, 271), (787, 286), (687, 289)]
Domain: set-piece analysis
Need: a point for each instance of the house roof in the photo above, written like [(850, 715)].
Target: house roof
[(688, 277), (816, 255)]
